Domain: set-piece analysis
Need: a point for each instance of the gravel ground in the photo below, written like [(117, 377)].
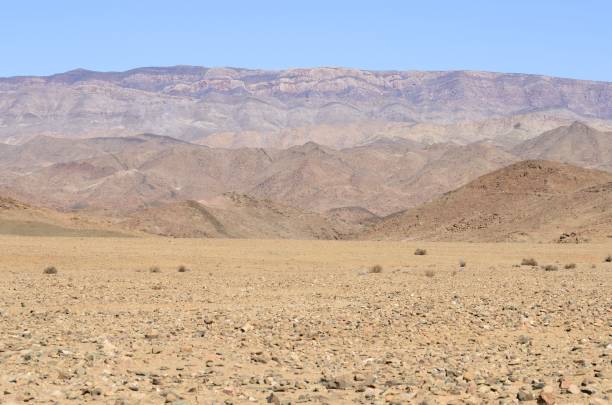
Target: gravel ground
[(302, 322)]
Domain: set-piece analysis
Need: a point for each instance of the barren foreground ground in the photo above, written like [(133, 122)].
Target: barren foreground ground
[(302, 321)]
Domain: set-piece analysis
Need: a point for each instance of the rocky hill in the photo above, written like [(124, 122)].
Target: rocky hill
[(577, 144), (530, 200), (233, 215)]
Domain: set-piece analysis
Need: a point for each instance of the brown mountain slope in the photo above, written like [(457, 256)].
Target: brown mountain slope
[(577, 144), (385, 176), (309, 176), (17, 218), (353, 219), (235, 215), (128, 173), (457, 165), (43, 151), (530, 200)]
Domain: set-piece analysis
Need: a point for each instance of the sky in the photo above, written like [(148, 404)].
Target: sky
[(558, 38)]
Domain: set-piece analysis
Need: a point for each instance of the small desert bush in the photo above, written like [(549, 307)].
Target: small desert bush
[(50, 270), (462, 263), (154, 269), (182, 269), (608, 259), (377, 268), (529, 262), (570, 266), (550, 267), (430, 273), (420, 252)]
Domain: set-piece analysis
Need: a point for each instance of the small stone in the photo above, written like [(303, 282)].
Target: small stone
[(246, 327), (259, 357), (588, 390), (523, 395), (153, 334), (564, 384), (548, 398), (469, 375), (273, 399), (26, 355), (371, 393), (341, 382)]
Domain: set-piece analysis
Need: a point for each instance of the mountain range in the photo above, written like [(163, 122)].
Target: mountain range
[(336, 107), (122, 174), (302, 153)]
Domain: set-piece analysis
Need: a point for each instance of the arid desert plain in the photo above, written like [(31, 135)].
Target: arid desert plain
[(281, 321)]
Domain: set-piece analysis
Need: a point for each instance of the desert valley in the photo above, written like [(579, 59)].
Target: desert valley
[(327, 235)]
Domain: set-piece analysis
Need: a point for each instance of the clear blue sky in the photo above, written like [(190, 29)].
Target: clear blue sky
[(562, 38)]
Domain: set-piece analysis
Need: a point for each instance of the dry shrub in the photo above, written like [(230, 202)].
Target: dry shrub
[(608, 259), (182, 269), (50, 270), (550, 267), (570, 266), (377, 268), (154, 269), (462, 263), (529, 262), (420, 252), (430, 273)]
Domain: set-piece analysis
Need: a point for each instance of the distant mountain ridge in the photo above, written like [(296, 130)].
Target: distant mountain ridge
[(242, 107)]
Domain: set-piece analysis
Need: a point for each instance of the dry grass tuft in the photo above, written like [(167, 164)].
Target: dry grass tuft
[(420, 252), (462, 263), (529, 262), (570, 266), (377, 268), (182, 269), (608, 259), (154, 269), (50, 270), (430, 273), (550, 267)]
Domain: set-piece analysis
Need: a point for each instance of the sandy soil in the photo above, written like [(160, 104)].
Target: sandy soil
[(302, 322)]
